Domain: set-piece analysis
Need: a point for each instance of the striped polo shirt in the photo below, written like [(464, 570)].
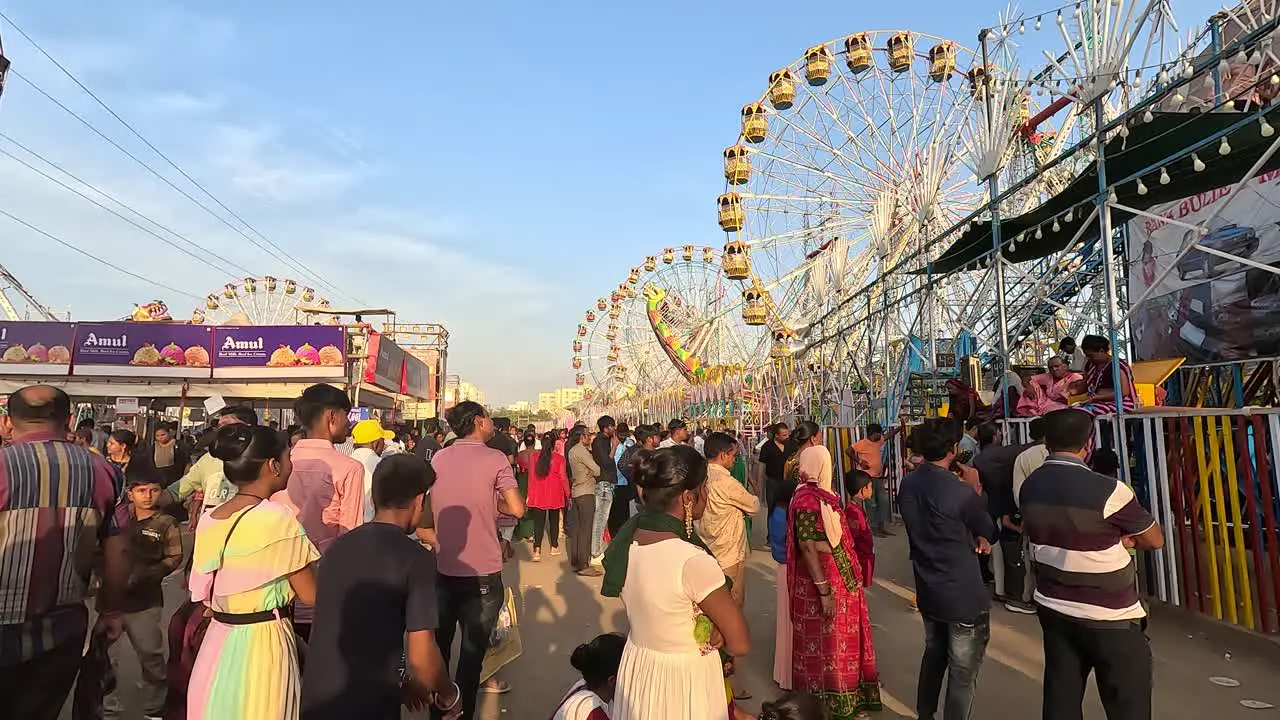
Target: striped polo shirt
[(1075, 520)]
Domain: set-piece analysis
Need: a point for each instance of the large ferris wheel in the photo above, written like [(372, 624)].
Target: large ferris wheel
[(259, 301), (851, 156)]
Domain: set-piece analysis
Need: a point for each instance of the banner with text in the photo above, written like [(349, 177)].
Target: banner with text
[(1206, 307), (129, 349), (280, 351)]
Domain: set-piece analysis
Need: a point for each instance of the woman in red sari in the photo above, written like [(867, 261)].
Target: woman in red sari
[(833, 656)]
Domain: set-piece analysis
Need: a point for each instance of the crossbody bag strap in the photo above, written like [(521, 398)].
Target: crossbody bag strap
[(213, 580)]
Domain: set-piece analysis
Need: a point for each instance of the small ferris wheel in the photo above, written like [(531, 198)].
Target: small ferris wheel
[(674, 317), (258, 301)]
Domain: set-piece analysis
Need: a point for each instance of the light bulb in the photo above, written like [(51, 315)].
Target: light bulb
[(1022, 29), (1142, 188), (1164, 176), (1039, 233), (1124, 131), (1241, 58), (1223, 67), (1197, 163), (1137, 75), (1111, 196), (1178, 99), (1079, 13), (1147, 116), (1069, 215), (1037, 22), (1164, 76), (1267, 130), (1187, 71), (1060, 20), (1224, 148), (1056, 226), (1275, 79)]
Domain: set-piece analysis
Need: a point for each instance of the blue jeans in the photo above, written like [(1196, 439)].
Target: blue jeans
[(604, 501), (882, 506), (953, 651)]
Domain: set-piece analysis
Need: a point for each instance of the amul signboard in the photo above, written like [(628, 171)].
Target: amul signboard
[(127, 349), (280, 351)]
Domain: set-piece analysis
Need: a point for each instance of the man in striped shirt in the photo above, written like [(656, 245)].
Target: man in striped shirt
[(1081, 526), (57, 512)]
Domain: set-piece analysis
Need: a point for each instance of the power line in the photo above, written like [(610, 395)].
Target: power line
[(148, 168), (212, 259), (297, 263), (93, 257)]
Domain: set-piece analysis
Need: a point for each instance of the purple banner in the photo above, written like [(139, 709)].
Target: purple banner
[(36, 348), (141, 349), (283, 351)]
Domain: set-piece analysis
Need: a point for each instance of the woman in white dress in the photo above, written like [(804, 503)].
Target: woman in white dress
[(677, 599)]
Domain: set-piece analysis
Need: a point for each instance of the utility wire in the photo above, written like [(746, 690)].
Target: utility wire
[(297, 263), (277, 256), (93, 257), (213, 258)]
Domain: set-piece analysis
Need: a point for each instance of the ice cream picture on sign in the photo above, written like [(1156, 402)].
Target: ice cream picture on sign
[(283, 355), (36, 352), (170, 356)]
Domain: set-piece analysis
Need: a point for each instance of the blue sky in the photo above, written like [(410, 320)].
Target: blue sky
[(491, 166)]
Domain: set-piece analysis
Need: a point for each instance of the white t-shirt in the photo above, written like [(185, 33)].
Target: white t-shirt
[(369, 459), (581, 704), (669, 442)]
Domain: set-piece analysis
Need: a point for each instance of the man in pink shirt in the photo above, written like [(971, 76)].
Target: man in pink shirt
[(326, 488), (473, 482)]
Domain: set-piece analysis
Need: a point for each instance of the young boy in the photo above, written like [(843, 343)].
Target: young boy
[(379, 579), (155, 547)]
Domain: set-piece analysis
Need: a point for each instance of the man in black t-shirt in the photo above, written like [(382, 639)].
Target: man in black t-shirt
[(373, 638), (427, 444), (773, 460)]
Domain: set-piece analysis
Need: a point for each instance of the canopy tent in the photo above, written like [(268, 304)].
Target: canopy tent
[(1147, 144)]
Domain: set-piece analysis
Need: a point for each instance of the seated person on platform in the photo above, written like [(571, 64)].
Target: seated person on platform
[(1047, 391)]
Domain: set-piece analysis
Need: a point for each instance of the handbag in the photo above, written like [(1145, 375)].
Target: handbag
[(187, 628)]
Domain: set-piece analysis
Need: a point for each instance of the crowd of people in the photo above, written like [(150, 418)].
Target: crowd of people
[(333, 567)]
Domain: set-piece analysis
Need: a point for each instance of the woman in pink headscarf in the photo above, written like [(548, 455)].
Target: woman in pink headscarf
[(1048, 391)]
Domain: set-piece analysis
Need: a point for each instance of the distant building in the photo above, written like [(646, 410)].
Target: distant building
[(557, 400), (457, 390), (520, 406)]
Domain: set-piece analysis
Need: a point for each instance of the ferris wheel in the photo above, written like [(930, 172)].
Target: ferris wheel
[(852, 157), (676, 317), (258, 301)]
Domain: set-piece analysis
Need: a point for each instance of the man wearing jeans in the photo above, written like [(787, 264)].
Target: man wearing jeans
[(469, 558), (1082, 526), (602, 447), (948, 526)]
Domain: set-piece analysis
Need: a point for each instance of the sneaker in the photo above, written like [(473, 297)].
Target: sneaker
[(589, 571), (598, 560), (555, 551), (1022, 608), (537, 556)]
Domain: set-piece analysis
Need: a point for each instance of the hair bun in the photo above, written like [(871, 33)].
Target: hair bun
[(231, 442), (582, 658)]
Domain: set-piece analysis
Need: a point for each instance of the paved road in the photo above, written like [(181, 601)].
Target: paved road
[(560, 610)]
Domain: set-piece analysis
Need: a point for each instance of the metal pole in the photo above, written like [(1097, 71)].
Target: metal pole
[(993, 193), (1215, 48), (931, 300), (1109, 280), (888, 366)]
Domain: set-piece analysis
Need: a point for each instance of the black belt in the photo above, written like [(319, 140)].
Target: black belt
[(252, 618)]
